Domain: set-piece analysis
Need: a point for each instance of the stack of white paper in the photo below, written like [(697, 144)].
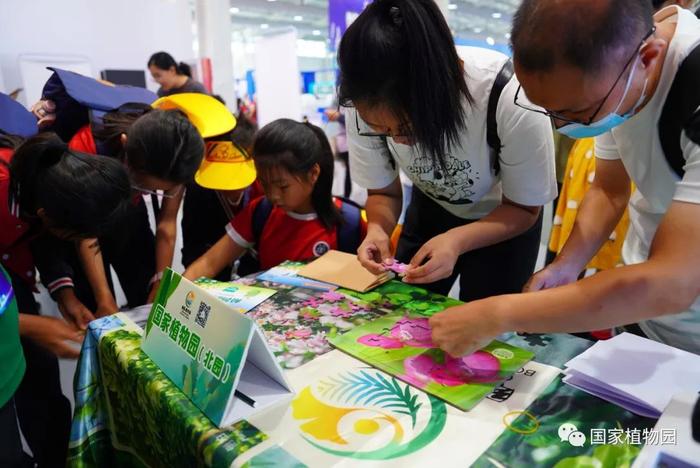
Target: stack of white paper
[(682, 449), (638, 374)]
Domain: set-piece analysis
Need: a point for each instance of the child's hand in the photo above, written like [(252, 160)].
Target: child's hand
[(375, 251), (434, 261), (106, 306), (188, 274), (72, 309), (45, 112), (54, 334), (153, 292)]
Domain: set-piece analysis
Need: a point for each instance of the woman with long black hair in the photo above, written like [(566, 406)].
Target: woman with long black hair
[(173, 77), (482, 168)]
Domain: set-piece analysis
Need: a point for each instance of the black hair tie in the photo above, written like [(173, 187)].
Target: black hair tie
[(395, 14)]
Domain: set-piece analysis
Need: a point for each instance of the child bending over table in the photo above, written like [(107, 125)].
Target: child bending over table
[(298, 218)]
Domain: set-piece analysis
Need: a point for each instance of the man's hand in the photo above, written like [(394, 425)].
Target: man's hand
[(466, 328)]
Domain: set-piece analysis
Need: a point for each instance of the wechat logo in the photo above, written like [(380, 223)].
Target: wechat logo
[(569, 433)]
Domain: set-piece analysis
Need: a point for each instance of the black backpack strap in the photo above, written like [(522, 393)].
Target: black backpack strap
[(350, 232), (492, 138), (260, 215), (680, 112)]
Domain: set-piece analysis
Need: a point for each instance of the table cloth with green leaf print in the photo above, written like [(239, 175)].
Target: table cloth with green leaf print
[(129, 414)]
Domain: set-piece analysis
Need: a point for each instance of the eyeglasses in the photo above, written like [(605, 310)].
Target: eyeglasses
[(371, 133), (557, 116), (172, 193)]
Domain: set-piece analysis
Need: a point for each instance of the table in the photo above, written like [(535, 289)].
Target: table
[(129, 414)]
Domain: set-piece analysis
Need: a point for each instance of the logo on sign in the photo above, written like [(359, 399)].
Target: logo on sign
[(189, 300)]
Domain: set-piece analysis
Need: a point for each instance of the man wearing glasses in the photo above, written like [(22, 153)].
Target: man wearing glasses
[(608, 69)]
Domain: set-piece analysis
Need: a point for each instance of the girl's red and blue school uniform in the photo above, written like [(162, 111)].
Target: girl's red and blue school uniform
[(277, 235), (42, 410), (15, 235), (204, 217)]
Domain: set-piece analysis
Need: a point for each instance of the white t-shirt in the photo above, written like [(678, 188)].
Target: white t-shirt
[(470, 190), (638, 145)]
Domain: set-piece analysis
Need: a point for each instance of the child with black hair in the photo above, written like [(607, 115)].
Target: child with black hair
[(224, 185), (162, 148), (46, 189), (298, 219)]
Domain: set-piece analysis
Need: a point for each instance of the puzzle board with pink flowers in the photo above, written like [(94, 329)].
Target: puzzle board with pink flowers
[(401, 346)]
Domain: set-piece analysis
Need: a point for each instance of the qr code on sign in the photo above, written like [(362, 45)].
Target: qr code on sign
[(202, 315)]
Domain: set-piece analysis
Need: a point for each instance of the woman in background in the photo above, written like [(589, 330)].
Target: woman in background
[(173, 77)]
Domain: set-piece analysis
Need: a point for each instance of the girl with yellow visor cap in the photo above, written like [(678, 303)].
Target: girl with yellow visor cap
[(224, 184)]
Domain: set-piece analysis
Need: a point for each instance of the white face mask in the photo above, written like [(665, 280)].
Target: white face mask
[(610, 121)]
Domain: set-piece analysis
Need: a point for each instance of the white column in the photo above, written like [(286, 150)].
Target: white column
[(277, 78), (442, 4), (214, 39)]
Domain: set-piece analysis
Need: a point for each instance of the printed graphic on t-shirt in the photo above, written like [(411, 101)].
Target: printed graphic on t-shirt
[(454, 186), (320, 248)]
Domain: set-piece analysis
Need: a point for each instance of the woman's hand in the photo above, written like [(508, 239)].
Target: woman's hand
[(45, 112), (72, 309), (375, 251), (435, 260), (466, 328), (556, 274), (51, 333)]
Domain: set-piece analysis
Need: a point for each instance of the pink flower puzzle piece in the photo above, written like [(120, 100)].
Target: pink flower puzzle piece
[(397, 267), (405, 332), (479, 367)]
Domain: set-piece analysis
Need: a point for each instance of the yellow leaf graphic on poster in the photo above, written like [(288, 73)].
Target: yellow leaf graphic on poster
[(367, 415), (323, 424)]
